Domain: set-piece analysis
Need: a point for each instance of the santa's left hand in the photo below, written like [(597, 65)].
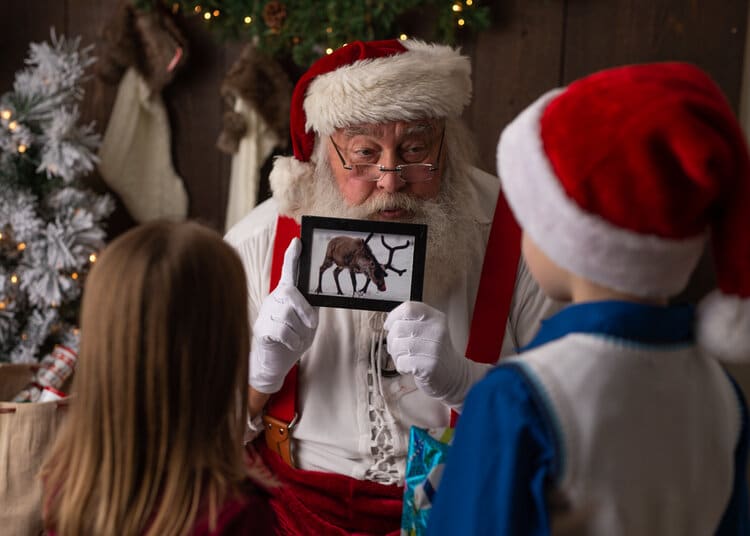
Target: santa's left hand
[(419, 343)]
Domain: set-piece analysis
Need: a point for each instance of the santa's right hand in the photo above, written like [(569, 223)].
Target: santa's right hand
[(284, 329)]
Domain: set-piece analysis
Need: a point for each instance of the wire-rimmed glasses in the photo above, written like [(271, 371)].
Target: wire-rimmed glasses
[(421, 172)]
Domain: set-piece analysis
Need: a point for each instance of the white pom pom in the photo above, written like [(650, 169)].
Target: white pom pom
[(290, 181), (723, 326)]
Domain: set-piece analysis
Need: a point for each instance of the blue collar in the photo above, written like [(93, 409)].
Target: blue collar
[(645, 324)]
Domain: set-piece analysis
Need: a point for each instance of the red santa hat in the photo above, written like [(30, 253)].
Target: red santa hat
[(369, 83), (621, 177)]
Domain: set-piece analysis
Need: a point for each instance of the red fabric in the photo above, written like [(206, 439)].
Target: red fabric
[(302, 141), (656, 149), (316, 503), (496, 286), (283, 404)]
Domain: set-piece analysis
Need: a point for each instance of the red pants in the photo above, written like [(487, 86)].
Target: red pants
[(317, 503)]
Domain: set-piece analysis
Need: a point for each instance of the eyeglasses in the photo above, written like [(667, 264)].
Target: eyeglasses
[(406, 172)]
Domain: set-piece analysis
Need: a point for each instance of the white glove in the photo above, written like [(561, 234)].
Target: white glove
[(284, 329), (419, 343)]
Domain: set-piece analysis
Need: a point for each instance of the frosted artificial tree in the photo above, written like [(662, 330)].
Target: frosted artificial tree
[(50, 224)]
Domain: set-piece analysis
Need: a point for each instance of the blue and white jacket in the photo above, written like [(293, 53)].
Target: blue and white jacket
[(615, 412)]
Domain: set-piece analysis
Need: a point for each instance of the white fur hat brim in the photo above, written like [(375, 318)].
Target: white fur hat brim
[(426, 81)]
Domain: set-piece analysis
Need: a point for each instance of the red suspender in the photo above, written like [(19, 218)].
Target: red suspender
[(496, 285), (283, 404), (491, 308)]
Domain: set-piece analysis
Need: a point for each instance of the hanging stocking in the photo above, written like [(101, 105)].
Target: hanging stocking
[(258, 91), (135, 155)]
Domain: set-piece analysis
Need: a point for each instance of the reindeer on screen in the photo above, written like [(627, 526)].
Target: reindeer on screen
[(356, 255)]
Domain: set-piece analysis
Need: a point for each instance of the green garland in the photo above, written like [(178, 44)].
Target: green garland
[(305, 30)]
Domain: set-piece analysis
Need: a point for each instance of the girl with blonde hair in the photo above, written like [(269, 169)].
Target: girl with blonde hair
[(153, 440)]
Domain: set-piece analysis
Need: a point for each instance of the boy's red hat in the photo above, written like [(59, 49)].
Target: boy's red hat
[(621, 177)]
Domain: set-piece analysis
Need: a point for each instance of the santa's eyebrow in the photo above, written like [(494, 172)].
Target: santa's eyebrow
[(363, 130)]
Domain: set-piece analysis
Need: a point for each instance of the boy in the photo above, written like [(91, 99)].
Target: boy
[(618, 416)]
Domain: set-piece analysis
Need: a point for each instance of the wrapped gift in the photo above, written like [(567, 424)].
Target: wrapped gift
[(428, 450)]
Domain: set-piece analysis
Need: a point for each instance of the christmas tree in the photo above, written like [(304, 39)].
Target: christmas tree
[(50, 225)]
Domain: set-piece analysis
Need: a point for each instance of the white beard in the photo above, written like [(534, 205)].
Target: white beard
[(452, 239)]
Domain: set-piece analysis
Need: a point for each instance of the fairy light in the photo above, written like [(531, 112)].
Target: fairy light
[(5, 114), (461, 22), (1, 236), (175, 8), (403, 37), (329, 30), (207, 15), (216, 13), (248, 19), (2, 305), (22, 148), (457, 7), (74, 276), (198, 9), (469, 2), (296, 39), (329, 51), (92, 257), (21, 246), (14, 279), (13, 125)]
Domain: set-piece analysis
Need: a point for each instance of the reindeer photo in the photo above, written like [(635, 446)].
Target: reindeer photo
[(384, 260)]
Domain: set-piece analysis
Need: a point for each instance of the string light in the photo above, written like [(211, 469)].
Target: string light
[(5, 114), (2, 305), (22, 148), (403, 37), (14, 279), (248, 20), (216, 12), (176, 7), (207, 15), (13, 125), (92, 257), (74, 276), (329, 30), (469, 2), (329, 51), (1, 236), (198, 9), (461, 22), (296, 39), (21, 246), (457, 7)]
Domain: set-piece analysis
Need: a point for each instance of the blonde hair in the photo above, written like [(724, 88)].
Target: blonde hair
[(154, 434)]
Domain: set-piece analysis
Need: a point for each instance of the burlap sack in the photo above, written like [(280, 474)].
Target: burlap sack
[(26, 432)]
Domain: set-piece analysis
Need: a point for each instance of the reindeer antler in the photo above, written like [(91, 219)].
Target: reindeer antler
[(391, 251)]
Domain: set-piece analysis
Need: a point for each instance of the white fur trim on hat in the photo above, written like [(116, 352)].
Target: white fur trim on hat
[(581, 242), (289, 180), (426, 81), (722, 326)]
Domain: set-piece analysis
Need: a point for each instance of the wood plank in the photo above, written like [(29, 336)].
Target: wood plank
[(20, 24), (195, 111), (616, 32), (513, 63)]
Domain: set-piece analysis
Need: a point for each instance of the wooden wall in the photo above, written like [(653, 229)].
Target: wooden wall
[(533, 45)]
